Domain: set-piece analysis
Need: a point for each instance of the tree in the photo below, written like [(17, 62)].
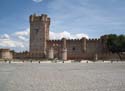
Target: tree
[(116, 44)]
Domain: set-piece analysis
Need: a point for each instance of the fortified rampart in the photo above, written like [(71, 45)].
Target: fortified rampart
[(76, 48)]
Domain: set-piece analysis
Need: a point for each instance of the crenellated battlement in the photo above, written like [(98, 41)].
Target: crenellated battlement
[(37, 18), (54, 41), (73, 40), (96, 39)]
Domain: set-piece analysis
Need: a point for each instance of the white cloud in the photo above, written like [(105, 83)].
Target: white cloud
[(22, 33), (18, 41), (67, 35), (8, 43), (37, 1), (23, 38), (4, 36)]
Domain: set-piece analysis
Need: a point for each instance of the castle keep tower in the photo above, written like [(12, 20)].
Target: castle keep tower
[(39, 34)]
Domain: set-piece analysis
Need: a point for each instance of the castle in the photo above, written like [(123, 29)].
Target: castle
[(65, 49)]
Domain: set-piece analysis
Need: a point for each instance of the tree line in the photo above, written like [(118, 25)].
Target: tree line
[(116, 44)]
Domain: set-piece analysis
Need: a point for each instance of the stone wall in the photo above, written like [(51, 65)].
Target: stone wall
[(56, 45), (78, 49), (6, 54)]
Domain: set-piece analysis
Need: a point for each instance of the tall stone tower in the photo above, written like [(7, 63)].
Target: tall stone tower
[(39, 34)]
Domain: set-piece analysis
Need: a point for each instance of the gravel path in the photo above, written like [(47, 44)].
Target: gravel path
[(62, 77)]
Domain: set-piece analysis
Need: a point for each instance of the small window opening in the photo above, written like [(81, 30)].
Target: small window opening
[(73, 48)]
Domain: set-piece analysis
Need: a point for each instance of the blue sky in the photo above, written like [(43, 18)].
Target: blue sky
[(92, 18)]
